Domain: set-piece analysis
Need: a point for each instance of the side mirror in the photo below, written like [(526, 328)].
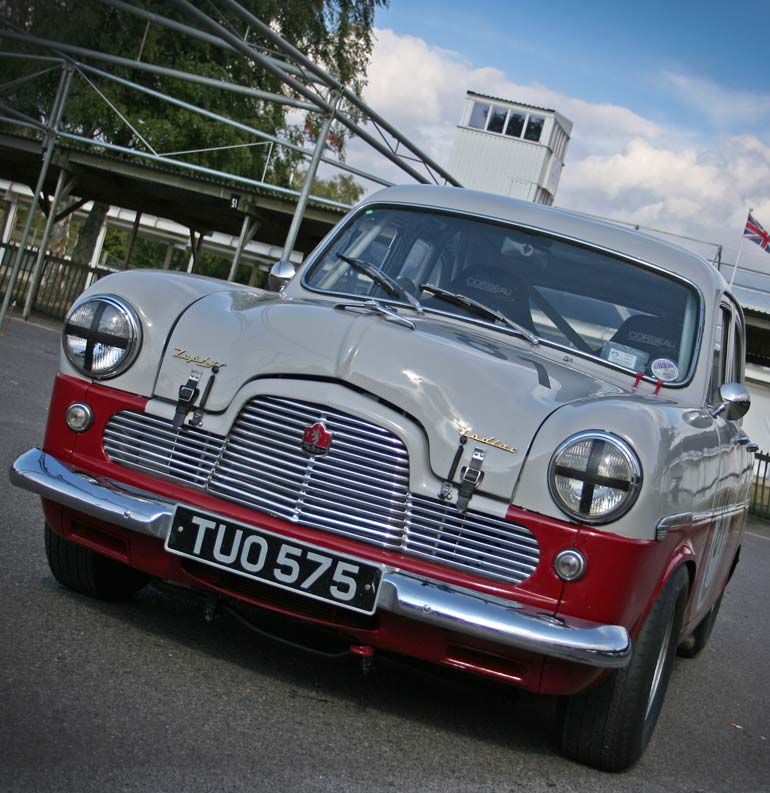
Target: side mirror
[(280, 274), (736, 401)]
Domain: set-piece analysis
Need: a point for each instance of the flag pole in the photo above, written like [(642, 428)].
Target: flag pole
[(740, 250), (735, 266)]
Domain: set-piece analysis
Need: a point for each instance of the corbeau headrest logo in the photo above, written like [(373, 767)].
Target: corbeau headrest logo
[(487, 286), (648, 338)]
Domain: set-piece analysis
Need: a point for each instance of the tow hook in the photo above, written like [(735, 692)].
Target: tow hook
[(212, 609), (366, 653)]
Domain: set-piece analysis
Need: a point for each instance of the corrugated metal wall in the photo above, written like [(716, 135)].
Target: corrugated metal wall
[(496, 163)]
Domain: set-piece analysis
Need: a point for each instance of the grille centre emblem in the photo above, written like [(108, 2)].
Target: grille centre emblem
[(316, 440)]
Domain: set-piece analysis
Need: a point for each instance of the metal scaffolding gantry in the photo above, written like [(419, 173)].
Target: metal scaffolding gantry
[(311, 88)]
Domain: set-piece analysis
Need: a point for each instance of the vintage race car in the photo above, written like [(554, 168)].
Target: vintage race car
[(470, 430)]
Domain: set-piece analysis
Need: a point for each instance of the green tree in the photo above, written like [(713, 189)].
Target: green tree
[(343, 187), (336, 33)]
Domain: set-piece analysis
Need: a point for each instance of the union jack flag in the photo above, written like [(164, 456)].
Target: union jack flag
[(756, 233)]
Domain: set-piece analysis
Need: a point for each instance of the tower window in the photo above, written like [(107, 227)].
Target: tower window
[(479, 115), (534, 128)]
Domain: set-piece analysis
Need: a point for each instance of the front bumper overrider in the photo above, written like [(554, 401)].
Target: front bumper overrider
[(441, 605)]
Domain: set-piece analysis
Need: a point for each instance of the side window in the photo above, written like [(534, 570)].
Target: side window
[(722, 362), (738, 349)]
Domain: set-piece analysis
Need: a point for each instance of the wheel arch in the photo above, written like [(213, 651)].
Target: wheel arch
[(683, 555)]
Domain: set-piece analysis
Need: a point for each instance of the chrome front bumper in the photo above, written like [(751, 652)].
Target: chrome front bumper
[(425, 600)]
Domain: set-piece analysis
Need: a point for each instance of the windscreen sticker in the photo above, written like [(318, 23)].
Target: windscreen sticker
[(622, 355), (664, 370)]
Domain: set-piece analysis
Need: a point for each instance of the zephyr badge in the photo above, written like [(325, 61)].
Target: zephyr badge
[(316, 440)]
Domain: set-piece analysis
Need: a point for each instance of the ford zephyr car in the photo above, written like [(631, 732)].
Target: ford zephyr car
[(478, 432)]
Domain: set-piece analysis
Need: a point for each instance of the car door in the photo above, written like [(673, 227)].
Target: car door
[(729, 507)]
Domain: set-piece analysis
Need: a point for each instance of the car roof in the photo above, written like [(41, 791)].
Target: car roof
[(614, 237)]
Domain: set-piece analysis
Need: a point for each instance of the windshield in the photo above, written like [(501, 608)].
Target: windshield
[(566, 294)]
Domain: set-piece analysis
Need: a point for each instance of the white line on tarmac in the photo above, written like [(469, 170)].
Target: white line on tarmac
[(761, 536)]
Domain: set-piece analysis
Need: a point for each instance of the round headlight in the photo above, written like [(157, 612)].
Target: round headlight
[(102, 336), (594, 477)]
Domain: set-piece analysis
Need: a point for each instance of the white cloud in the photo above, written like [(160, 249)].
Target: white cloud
[(695, 192), (421, 89), (724, 107), (619, 164)]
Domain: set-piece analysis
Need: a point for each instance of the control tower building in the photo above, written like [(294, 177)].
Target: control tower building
[(510, 148)]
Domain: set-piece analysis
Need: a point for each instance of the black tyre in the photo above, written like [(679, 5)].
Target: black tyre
[(609, 726), (88, 572), (699, 638)]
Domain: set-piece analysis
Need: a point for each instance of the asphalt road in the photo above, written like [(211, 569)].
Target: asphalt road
[(147, 696)]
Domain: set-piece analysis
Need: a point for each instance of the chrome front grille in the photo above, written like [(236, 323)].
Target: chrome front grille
[(149, 443), (472, 540), (360, 489)]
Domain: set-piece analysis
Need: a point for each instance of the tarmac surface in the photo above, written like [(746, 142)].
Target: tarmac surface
[(147, 696)]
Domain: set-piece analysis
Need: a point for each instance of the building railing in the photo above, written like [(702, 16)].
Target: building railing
[(61, 280)]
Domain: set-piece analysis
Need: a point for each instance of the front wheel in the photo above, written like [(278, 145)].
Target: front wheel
[(88, 572), (694, 644), (609, 726)]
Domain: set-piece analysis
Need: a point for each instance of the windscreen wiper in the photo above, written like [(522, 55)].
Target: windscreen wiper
[(393, 288), (480, 310), (388, 312)]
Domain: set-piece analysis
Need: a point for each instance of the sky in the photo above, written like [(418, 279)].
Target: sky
[(670, 100)]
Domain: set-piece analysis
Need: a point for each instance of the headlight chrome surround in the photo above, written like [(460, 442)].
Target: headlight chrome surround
[(577, 465), (102, 336)]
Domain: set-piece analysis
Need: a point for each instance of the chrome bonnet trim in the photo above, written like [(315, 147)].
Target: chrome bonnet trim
[(462, 611), (677, 521)]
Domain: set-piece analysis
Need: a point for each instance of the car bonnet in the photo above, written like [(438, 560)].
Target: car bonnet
[(452, 378)]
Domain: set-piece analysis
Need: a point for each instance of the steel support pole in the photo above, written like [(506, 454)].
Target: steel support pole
[(37, 270), (229, 122), (188, 166), (323, 106), (195, 247), (48, 149), (311, 71), (8, 226), (299, 211), (335, 85), (132, 239), (97, 254), (248, 229), (187, 76), (169, 255), (220, 85)]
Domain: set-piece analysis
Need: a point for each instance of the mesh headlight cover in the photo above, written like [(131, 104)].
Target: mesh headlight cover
[(594, 477), (102, 336)]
